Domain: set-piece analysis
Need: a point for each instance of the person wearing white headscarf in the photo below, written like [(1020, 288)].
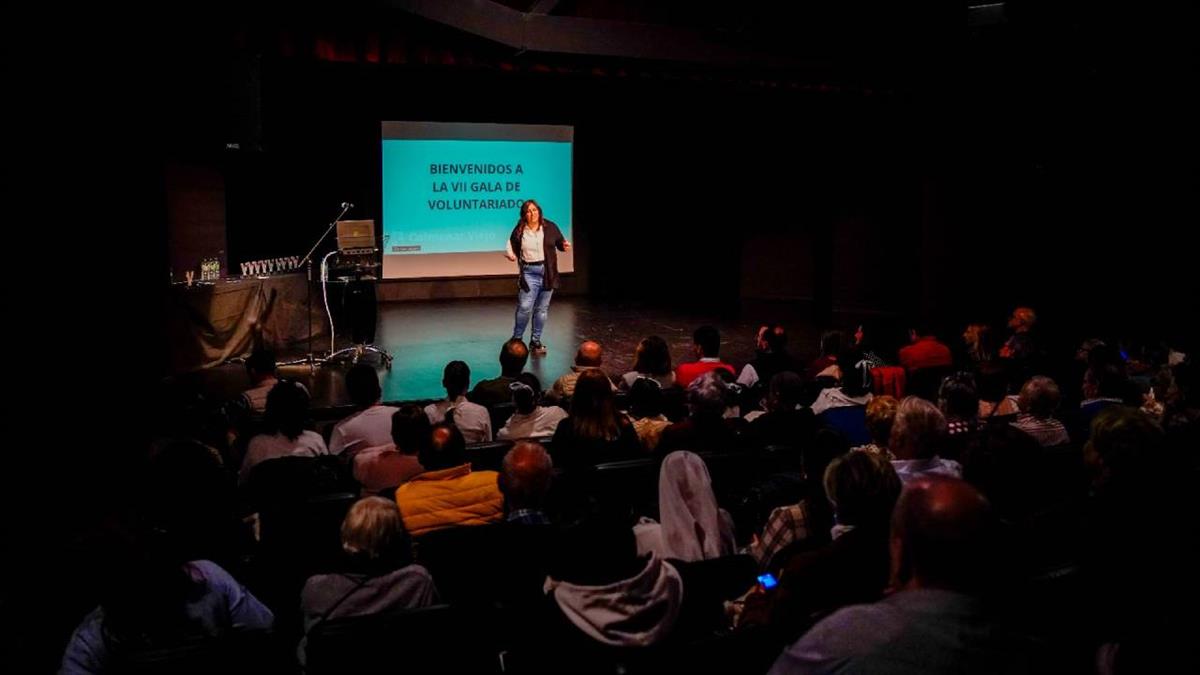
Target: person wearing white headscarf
[(693, 526)]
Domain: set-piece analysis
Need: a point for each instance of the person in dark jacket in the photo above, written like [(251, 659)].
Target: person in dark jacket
[(534, 245)]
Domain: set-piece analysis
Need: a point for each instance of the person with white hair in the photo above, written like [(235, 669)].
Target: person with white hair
[(918, 436)]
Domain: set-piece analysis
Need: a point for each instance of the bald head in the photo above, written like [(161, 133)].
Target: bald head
[(446, 448), (943, 535), (1022, 319), (590, 354), (513, 356), (525, 475)]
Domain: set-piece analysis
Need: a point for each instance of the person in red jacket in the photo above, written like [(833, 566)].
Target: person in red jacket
[(925, 351), (707, 346)]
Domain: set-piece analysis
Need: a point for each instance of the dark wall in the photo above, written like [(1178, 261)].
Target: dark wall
[(1078, 190)]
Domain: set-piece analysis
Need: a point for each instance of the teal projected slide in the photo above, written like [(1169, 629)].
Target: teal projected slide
[(455, 190)]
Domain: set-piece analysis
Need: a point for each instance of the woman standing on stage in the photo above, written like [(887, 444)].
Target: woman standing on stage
[(534, 244)]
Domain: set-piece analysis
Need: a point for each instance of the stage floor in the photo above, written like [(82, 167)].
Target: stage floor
[(424, 336)]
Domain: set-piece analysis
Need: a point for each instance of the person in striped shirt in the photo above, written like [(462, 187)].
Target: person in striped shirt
[(1038, 400)]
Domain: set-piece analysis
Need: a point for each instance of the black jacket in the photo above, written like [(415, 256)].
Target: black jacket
[(553, 242)]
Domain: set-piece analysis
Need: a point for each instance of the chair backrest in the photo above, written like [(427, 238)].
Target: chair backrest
[(457, 557), (292, 480), (488, 456), (307, 534), (627, 486), (732, 473), (675, 403), (500, 412), (925, 382), (242, 651), (438, 639)]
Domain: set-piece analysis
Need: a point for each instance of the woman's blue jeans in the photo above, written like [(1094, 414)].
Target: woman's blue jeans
[(535, 302)]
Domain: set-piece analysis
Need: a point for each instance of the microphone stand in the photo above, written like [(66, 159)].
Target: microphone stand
[(308, 263)]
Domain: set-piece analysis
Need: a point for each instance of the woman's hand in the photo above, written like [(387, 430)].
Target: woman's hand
[(511, 257), (566, 245)]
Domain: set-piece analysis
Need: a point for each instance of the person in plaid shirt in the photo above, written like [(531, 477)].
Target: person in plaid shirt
[(795, 523)]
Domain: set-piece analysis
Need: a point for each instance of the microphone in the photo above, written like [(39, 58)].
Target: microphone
[(347, 205)]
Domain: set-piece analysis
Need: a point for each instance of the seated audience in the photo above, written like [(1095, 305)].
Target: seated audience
[(1105, 385), (513, 357), (706, 345), (853, 566), (803, 523), (997, 391), (602, 594), (652, 360), (151, 599), (881, 414), (589, 358), (381, 575), (785, 421), (1038, 401), (286, 415), (448, 493), (925, 351), (853, 389), (1020, 346), (873, 345), (832, 343), (978, 343), (770, 357), (958, 399), (918, 437), (693, 526), (706, 429), (372, 425), (525, 478), (1139, 599), (942, 540), (529, 419), (471, 419), (594, 432), (646, 411), (260, 368), (387, 466)]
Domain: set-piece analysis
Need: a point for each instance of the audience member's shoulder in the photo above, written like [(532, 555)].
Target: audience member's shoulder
[(211, 573), (852, 629), (414, 571)]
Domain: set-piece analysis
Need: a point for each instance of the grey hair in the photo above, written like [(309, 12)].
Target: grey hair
[(708, 394), (1039, 397), (918, 431)]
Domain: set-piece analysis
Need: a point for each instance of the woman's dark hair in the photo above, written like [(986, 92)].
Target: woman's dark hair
[(645, 398), (362, 384), (410, 429), (287, 409), (652, 356), (593, 409), (521, 217), (993, 382), (831, 342), (526, 397), (958, 396)]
